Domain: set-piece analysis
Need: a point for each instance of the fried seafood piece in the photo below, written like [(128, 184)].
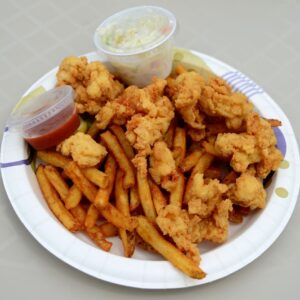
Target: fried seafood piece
[(185, 91), (256, 145), (248, 191), (94, 85), (83, 149), (204, 195), (162, 163), (266, 142), (241, 149), (215, 227), (145, 112), (176, 223), (218, 100)]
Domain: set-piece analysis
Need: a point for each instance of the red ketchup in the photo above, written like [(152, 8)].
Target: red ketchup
[(46, 139), (47, 119)]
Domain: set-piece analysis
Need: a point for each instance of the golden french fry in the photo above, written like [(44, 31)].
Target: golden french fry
[(92, 216), (111, 142), (134, 200), (108, 229), (179, 145), (169, 136), (73, 198), (203, 163), (145, 196), (150, 235), (79, 213), (122, 204), (114, 216), (53, 158), (54, 203), (176, 195), (97, 177), (191, 160), (159, 200), (98, 238), (93, 130), (57, 181), (86, 187), (58, 160), (120, 134), (103, 194), (210, 148), (121, 195)]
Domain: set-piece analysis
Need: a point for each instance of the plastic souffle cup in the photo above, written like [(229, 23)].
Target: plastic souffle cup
[(138, 43), (47, 119)]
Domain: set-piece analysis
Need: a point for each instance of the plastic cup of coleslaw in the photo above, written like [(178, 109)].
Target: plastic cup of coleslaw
[(138, 43)]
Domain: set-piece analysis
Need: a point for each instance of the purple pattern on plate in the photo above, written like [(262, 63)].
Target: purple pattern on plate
[(281, 143), (241, 83)]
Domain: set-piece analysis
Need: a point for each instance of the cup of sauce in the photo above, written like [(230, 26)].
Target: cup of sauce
[(138, 43), (46, 120)]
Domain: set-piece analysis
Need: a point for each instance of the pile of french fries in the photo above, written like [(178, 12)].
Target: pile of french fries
[(113, 199)]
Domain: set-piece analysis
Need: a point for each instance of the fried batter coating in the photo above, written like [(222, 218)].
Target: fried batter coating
[(266, 142), (83, 149), (177, 224), (217, 99), (249, 192), (185, 92), (162, 163), (92, 82), (145, 112), (240, 148), (256, 145), (204, 196), (214, 228)]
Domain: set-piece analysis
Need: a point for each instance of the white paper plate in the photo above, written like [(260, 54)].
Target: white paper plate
[(246, 242)]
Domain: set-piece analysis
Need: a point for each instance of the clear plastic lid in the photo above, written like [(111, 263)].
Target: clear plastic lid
[(41, 108), (135, 30)]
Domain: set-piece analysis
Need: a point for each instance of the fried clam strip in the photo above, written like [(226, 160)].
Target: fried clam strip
[(58, 160), (149, 234), (54, 203), (122, 204), (111, 142)]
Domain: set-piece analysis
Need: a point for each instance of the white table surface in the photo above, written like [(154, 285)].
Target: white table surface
[(260, 38)]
